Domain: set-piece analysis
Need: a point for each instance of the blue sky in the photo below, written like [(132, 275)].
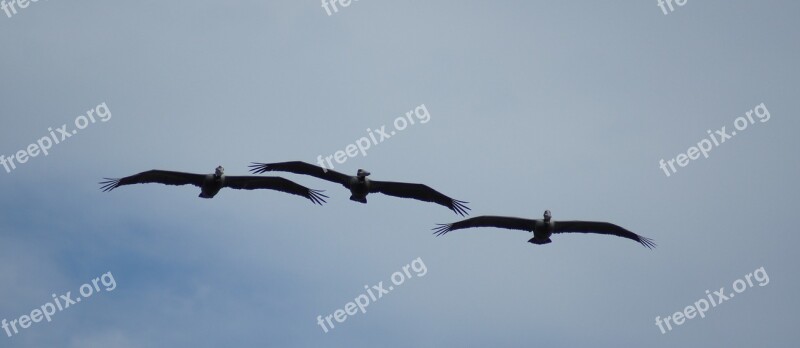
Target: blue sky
[(567, 106)]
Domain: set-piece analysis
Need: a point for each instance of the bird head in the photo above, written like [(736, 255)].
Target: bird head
[(547, 215), (361, 174), (219, 171)]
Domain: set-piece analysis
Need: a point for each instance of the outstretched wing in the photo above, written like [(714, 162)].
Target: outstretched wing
[(600, 228), (299, 167), (154, 176), (419, 192), (274, 183), (511, 223)]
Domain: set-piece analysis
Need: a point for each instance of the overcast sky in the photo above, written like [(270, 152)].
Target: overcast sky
[(533, 105)]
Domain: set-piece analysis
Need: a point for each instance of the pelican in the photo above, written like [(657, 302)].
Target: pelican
[(210, 184), (543, 229), (360, 186)]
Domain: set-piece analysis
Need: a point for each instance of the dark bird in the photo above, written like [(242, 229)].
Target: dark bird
[(543, 228), (360, 186), (210, 184)]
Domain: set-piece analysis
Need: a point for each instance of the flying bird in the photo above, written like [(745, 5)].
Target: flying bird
[(360, 186), (210, 184), (543, 228)]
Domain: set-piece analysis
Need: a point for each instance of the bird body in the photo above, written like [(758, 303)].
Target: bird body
[(211, 184), (543, 229), (360, 186)]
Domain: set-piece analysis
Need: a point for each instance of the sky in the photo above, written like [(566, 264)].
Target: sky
[(530, 105)]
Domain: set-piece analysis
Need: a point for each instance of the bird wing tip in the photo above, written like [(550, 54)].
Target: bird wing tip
[(649, 243), (441, 229)]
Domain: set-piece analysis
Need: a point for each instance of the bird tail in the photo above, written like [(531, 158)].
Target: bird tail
[(358, 199), (539, 241)]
